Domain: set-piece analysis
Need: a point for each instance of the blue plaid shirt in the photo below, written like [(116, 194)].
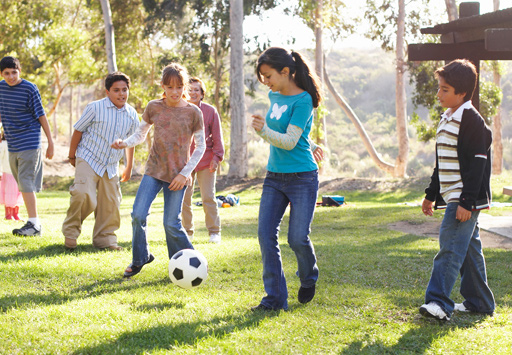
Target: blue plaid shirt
[(101, 124)]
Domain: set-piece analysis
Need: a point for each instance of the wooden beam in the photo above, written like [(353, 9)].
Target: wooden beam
[(441, 51), (498, 39), (488, 20)]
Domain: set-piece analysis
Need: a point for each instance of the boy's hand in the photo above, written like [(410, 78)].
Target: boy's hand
[(119, 144), (213, 166), (49, 151), (462, 214), (318, 154), (426, 207), (178, 183), (258, 122), (127, 174)]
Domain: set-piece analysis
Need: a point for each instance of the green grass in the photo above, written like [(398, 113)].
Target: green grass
[(372, 281)]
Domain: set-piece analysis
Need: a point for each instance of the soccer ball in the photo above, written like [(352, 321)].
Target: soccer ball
[(188, 268)]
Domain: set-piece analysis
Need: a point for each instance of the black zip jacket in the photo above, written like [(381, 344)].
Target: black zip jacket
[(474, 143)]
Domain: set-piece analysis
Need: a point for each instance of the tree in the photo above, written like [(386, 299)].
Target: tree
[(451, 9), (497, 161), (109, 36), (400, 98), (238, 166), (389, 26)]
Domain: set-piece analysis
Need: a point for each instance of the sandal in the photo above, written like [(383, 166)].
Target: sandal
[(136, 269)]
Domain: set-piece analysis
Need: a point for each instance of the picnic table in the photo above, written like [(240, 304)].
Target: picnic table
[(507, 190)]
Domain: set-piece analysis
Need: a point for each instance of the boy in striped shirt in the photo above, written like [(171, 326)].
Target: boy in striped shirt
[(22, 116), (96, 187), (460, 184)]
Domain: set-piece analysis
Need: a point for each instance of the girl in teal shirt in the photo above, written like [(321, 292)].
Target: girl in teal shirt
[(292, 172)]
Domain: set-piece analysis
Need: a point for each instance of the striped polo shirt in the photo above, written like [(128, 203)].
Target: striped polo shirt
[(20, 109), (447, 136), (101, 124)]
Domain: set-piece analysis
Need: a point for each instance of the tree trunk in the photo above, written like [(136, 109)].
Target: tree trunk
[(400, 97), (451, 9), (388, 168), (497, 160), (238, 160), (109, 36), (319, 61)]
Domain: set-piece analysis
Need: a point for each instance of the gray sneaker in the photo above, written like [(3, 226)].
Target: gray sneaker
[(27, 230)]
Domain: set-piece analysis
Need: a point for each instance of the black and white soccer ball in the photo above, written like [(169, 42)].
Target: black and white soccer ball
[(188, 268)]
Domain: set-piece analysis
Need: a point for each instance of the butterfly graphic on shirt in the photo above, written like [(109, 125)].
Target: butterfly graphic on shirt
[(277, 111)]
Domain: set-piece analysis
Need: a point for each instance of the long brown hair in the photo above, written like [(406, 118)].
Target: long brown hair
[(280, 58)]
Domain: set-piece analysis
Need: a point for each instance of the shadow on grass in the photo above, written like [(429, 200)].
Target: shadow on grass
[(94, 289), (417, 340), (58, 249), (168, 337)]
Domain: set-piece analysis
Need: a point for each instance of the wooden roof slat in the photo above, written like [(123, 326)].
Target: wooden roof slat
[(491, 19)]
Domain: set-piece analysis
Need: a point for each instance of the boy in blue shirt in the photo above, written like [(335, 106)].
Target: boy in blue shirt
[(22, 115), (96, 187), (460, 184)]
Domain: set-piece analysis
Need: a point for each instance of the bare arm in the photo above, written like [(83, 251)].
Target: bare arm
[(75, 139), (46, 128)]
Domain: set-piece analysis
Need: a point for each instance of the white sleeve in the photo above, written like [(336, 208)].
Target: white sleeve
[(197, 155), (139, 135)]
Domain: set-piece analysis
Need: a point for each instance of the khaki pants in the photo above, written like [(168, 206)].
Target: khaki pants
[(98, 194), (206, 182)]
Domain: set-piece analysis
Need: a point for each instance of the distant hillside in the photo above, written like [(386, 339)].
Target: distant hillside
[(366, 79)]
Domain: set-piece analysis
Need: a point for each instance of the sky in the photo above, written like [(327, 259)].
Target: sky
[(280, 29)]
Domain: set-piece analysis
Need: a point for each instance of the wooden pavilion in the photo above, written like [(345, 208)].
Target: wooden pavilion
[(473, 36)]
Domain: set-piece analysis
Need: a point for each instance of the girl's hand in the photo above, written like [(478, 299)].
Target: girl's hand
[(318, 154), (258, 122), (119, 144), (178, 183), (213, 166)]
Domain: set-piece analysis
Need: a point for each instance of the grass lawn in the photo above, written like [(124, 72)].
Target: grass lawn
[(372, 282)]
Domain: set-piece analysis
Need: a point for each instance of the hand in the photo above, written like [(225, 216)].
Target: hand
[(178, 183), (127, 174), (213, 166), (318, 154), (72, 161), (426, 207), (258, 122), (462, 214), (49, 151), (119, 144)]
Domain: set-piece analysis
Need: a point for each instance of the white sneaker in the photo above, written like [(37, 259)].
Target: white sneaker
[(459, 307), (215, 238), (433, 310)]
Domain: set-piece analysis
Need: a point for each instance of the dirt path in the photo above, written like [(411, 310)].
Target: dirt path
[(431, 229)]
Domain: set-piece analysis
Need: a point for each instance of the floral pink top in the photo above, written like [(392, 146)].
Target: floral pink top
[(174, 129)]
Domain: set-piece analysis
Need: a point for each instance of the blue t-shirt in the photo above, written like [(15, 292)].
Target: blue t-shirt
[(298, 111), (20, 109)]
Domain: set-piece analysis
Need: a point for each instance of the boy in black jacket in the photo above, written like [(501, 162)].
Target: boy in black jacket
[(460, 184)]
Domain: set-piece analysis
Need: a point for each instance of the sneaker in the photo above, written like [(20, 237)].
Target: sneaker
[(261, 308), (215, 238), (27, 230), (306, 294), (459, 307), (433, 310)]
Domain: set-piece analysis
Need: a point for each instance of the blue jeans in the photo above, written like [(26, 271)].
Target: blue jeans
[(299, 190), (175, 235), (460, 252)]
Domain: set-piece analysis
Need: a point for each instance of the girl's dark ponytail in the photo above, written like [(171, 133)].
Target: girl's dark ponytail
[(279, 58), (307, 79)]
